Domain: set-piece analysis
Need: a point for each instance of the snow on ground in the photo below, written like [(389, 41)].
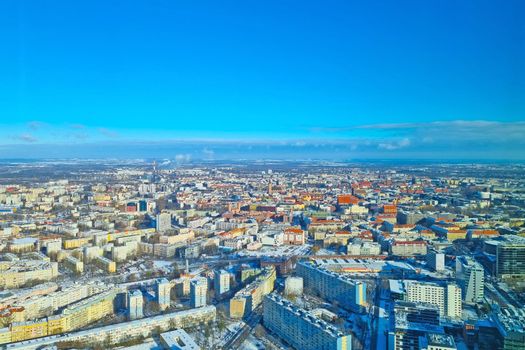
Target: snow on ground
[(159, 264), (251, 343)]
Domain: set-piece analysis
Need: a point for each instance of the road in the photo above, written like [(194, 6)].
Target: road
[(379, 319), (235, 341)]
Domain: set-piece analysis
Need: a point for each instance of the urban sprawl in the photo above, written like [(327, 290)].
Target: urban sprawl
[(261, 255)]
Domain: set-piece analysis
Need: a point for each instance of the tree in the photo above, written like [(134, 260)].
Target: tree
[(207, 332), (210, 249), (173, 324), (221, 324), (6, 320), (157, 330)]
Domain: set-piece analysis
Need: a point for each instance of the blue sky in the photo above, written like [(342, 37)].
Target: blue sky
[(201, 79)]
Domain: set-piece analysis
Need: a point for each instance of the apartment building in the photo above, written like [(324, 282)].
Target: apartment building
[(198, 292), (301, 329), (251, 296), (120, 332), (14, 274), (334, 287), (221, 282), (446, 297), (105, 264)]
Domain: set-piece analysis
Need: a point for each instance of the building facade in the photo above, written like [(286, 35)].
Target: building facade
[(446, 297), (221, 282), (471, 278), (198, 292), (301, 329), (135, 305), (334, 287), (162, 293)]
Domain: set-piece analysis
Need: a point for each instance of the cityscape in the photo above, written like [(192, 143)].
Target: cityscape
[(267, 255), (262, 175)]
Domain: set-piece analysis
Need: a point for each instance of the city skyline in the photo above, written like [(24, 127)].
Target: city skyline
[(249, 175)]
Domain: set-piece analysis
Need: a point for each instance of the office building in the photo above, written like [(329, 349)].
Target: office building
[(510, 257), (510, 323), (436, 261), (453, 300), (409, 324), (471, 279), (301, 329)]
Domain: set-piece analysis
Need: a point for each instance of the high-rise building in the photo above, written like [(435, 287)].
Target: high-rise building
[(135, 304), (301, 329), (447, 297), (510, 323), (471, 278), (221, 282), (334, 287), (510, 257), (162, 293), (251, 296), (453, 300), (436, 261), (198, 291), (163, 222), (410, 323)]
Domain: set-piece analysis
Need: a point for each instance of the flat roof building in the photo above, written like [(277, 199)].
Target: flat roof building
[(301, 329)]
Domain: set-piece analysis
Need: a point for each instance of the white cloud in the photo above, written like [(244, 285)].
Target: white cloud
[(26, 138), (395, 144), (182, 158)]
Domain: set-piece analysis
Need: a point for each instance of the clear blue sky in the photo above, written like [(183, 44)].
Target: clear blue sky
[(374, 78)]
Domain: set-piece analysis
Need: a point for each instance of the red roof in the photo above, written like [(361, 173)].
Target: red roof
[(347, 199)]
